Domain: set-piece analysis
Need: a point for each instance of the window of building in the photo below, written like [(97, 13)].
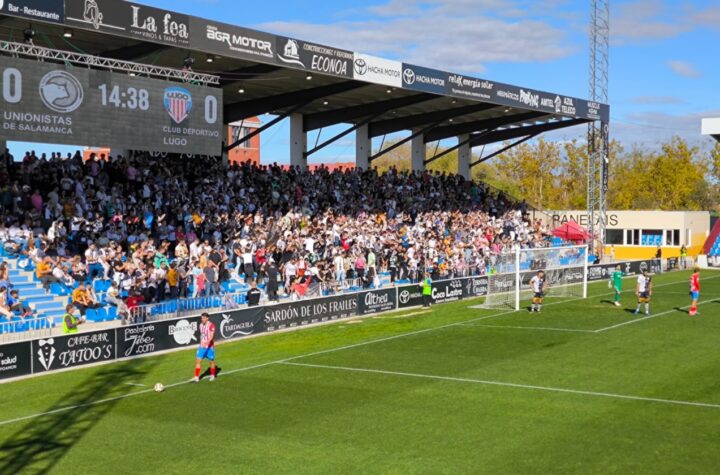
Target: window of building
[(672, 237), (615, 236), (633, 237), (651, 237), (240, 133)]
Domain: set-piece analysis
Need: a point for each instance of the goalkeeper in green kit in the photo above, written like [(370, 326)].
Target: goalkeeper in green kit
[(615, 282)]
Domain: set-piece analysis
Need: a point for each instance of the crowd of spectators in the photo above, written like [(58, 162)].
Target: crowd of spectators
[(162, 228)]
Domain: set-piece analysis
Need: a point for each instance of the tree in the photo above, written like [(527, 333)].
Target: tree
[(554, 175)]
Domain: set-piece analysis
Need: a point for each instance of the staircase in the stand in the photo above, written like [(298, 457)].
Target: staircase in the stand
[(32, 294)]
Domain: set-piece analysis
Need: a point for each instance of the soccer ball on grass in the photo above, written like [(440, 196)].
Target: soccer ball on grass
[(159, 387)]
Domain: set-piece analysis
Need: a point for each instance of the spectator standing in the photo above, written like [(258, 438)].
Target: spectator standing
[(253, 295), (70, 321), (426, 286)]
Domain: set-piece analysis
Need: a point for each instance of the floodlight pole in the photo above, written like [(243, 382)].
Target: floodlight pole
[(598, 132)]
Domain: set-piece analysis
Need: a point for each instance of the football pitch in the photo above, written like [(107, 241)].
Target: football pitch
[(583, 387)]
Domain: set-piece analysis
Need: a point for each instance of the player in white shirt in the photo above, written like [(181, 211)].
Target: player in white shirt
[(643, 290), (539, 286)]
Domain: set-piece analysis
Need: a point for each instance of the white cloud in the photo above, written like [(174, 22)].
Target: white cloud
[(684, 69), (647, 129), (459, 35), (657, 100), (643, 20)]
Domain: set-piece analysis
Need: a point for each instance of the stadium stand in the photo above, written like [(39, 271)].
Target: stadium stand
[(190, 233)]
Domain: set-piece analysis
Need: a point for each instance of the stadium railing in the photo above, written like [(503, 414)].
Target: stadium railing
[(182, 307), (21, 329)]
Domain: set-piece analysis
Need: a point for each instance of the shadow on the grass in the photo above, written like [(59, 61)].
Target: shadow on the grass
[(206, 373), (38, 445)]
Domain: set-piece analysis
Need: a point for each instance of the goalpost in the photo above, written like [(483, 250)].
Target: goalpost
[(566, 272)]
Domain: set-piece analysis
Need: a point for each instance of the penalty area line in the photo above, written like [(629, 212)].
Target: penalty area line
[(511, 385)]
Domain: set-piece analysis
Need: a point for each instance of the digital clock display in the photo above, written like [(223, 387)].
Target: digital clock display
[(52, 103)]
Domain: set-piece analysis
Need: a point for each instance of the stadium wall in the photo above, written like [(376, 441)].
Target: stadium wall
[(637, 234), (46, 355)]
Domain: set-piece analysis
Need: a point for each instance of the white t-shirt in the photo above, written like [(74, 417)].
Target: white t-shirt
[(537, 284), (643, 283), (309, 244)]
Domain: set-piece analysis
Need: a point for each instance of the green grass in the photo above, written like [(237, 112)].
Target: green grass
[(453, 390)]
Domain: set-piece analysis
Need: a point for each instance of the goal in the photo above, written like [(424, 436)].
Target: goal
[(509, 280)]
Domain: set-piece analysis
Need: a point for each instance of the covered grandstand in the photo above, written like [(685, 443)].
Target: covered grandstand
[(315, 86), (255, 73)]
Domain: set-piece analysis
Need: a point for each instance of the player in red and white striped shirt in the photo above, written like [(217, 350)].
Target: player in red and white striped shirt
[(207, 347)]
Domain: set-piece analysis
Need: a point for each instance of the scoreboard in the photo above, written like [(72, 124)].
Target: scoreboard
[(64, 104)]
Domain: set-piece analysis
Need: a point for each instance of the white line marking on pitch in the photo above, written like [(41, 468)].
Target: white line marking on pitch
[(511, 385), (117, 398), (529, 328), (643, 319), (262, 365)]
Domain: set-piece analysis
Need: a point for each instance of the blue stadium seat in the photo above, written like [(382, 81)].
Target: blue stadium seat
[(112, 313)]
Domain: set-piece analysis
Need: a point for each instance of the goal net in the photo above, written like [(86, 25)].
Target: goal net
[(509, 280)]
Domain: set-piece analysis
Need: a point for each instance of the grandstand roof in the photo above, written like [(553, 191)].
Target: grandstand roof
[(263, 73), (711, 127)]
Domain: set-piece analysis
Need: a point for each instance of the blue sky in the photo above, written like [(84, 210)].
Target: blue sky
[(663, 66)]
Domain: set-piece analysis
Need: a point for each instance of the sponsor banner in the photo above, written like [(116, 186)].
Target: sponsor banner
[(673, 263), (180, 333), (313, 57), (117, 17), (447, 290), (137, 340), (15, 360), (49, 103), (470, 87), (604, 271), (475, 287), (376, 301), (547, 102), (40, 10), (150, 337), (232, 41), (508, 95), (600, 272), (423, 79), (277, 317), (409, 296), (572, 275), (73, 350), (653, 266), (235, 324), (377, 70)]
